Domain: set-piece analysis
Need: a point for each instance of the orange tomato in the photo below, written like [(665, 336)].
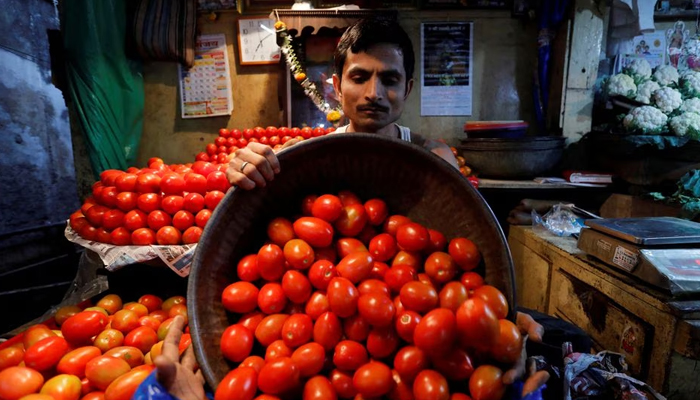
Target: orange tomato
[(17, 382), (74, 362), (11, 357), (64, 313), (139, 309), (34, 334), (103, 370), (124, 387), (132, 355), (108, 339), (63, 387), (142, 338), (111, 303)]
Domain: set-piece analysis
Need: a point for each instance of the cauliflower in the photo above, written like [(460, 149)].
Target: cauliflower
[(667, 99), (645, 90), (666, 75), (691, 105), (639, 68), (622, 85), (686, 124), (645, 119), (690, 84)]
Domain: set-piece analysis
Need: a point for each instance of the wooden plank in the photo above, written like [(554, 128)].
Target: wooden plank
[(532, 276), (687, 341), (626, 206)]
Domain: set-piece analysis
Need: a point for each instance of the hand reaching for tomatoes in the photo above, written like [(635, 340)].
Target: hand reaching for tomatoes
[(254, 165), (177, 375)]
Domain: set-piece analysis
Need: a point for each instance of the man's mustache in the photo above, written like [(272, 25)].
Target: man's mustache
[(372, 107)]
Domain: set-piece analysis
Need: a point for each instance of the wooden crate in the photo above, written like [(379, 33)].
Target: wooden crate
[(659, 338)]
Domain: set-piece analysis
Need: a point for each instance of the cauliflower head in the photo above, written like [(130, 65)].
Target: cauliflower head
[(690, 84), (645, 119), (622, 85), (686, 124), (645, 90), (691, 105), (639, 68), (666, 75), (667, 99)]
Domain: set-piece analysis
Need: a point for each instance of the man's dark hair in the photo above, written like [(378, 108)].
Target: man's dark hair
[(370, 31)]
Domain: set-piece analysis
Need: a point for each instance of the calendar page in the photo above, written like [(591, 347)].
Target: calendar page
[(205, 89)]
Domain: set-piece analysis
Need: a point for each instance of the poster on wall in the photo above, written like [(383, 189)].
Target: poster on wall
[(650, 46), (205, 89), (446, 65)]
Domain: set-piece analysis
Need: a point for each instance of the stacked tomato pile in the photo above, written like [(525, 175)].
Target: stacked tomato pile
[(97, 353), (231, 140), (162, 204), (349, 302)]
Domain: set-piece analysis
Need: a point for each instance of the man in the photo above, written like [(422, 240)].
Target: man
[(375, 62)]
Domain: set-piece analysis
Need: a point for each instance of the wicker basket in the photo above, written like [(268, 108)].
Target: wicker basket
[(411, 180)]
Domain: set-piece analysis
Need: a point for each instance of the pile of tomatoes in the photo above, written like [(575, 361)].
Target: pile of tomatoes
[(349, 302), (231, 140), (96, 353), (162, 204)]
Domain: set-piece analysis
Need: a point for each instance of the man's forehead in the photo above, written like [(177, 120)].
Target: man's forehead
[(383, 56)]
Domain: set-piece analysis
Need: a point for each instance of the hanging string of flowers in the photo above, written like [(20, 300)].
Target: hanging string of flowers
[(333, 115)]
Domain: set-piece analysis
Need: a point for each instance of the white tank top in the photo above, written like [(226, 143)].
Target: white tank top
[(404, 131)]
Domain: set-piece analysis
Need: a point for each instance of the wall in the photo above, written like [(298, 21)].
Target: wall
[(504, 54)]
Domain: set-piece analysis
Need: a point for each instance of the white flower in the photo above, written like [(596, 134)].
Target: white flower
[(665, 75), (639, 68), (690, 83), (622, 85), (645, 90), (667, 99), (691, 105), (647, 119), (686, 124)]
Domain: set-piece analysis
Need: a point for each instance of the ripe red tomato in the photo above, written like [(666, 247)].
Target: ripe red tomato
[(224, 133), (172, 184), (317, 305), (355, 267), (409, 361), (455, 365), (486, 383), (213, 198), (216, 180), (307, 204), (135, 219), (195, 183), (45, 353), (270, 328), (379, 270), (133, 356), (247, 268), (296, 286), (377, 211), (278, 376), (143, 338), (112, 219), (124, 387), (120, 237), (349, 355), (103, 236), (392, 224), (126, 182), (477, 324), (346, 246), (236, 134), (314, 231), (81, 327), (342, 383), (399, 275), (352, 220), (374, 286), (327, 331), (148, 183), (251, 320), (172, 204), (193, 202), (255, 362), (382, 342), (437, 241), (125, 321), (297, 330), (452, 295), (356, 328), (88, 232), (183, 220), (280, 231), (94, 215), (236, 343), (406, 323), (108, 339), (383, 247), (239, 383), (202, 156), (436, 332), (327, 207), (74, 361), (103, 370), (271, 298), (158, 219), (168, 235), (494, 299), (509, 344), (270, 262), (342, 297), (151, 302), (309, 358), (471, 280), (143, 237), (202, 217), (440, 267), (376, 308), (242, 142), (419, 297), (240, 297), (409, 258), (373, 379), (108, 196), (298, 254), (430, 385), (464, 253), (319, 388), (412, 237), (191, 235), (126, 201), (321, 273), (150, 322)]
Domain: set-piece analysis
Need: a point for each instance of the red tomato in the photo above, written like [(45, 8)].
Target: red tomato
[(151, 302), (317, 305), (251, 320), (11, 357), (271, 298), (297, 330), (392, 224), (455, 365), (172, 204), (159, 315), (419, 297), (236, 343), (202, 218), (109, 196), (270, 328), (236, 134), (81, 327), (191, 235), (477, 324), (110, 303), (342, 383), (126, 182), (327, 331), (382, 342), (319, 388), (240, 383), (347, 246), (242, 142), (247, 268), (125, 321), (471, 280), (374, 286), (280, 231), (509, 344), (411, 259), (135, 219), (112, 219), (352, 220), (296, 286), (88, 232), (406, 323), (63, 387), (314, 231), (255, 362), (240, 297), (133, 356), (437, 241), (120, 237), (143, 237), (17, 382), (452, 295), (270, 262), (379, 270), (321, 273), (150, 322), (383, 247), (376, 211), (95, 214), (148, 183), (412, 237), (440, 267), (349, 355), (373, 379), (355, 267), (376, 308), (103, 236), (309, 358), (143, 338), (399, 275), (430, 385), (342, 297), (124, 387), (278, 376), (74, 362), (465, 253), (409, 361), (494, 299), (202, 156), (193, 202), (45, 353), (486, 383), (402, 390), (168, 235), (172, 184), (126, 201), (356, 328), (298, 254), (103, 370), (436, 332), (224, 133), (216, 180), (196, 183), (89, 396), (367, 234), (327, 207), (158, 219), (108, 339)]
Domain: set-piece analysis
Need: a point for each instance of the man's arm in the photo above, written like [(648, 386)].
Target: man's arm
[(442, 150)]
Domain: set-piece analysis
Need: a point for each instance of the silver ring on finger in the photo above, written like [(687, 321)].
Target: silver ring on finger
[(243, 166)]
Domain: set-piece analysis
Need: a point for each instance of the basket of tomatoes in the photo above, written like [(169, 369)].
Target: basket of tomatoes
[(367, 267)]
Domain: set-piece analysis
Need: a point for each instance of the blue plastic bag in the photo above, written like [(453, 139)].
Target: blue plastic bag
[(151, 389)]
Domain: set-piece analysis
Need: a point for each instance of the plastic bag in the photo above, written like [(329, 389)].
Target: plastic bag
[(151, 389), (561, 220)]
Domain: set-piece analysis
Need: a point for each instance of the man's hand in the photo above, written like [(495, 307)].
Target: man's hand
[(529, 329), (254, 165), (176, 375)]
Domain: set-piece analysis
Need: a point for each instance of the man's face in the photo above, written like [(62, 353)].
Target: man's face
[(373, 87)]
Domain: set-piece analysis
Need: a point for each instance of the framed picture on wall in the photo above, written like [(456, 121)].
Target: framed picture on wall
[(262, 6)]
